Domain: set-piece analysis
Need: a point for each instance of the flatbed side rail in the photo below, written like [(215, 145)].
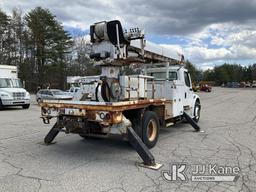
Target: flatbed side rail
[(103, 106)]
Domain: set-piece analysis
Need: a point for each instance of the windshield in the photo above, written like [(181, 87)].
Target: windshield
[(10, 83), (58, 92)]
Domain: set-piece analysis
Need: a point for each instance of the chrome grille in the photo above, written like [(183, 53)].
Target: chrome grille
[(18, 95)]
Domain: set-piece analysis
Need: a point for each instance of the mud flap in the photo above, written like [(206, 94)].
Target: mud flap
[(142, 150), (191, 121)]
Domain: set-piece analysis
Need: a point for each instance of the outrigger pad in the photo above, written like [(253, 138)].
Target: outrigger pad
[(142, 150), (156, 166)]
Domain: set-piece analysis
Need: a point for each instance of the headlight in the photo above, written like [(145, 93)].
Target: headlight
[(27, 95)]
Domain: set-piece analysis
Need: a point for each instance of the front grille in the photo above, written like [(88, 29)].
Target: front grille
[(18, 95)]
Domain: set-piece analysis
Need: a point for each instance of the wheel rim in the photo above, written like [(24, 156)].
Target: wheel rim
[(151, 130), (197, 112)]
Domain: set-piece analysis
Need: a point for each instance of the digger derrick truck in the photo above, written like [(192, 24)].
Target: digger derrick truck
[(133, 106)]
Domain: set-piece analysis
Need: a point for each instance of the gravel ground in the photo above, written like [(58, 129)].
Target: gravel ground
[(73, 164)]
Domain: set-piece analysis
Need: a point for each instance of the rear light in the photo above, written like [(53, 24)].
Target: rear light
[(107, 116), (102, 115)]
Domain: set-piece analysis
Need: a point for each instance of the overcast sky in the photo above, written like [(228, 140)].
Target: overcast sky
[(207, 32)]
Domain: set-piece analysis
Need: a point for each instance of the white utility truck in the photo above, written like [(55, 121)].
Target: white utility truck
[(12, 92), (134, 106)]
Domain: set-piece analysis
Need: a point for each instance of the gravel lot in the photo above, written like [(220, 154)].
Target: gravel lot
[(74, 164)]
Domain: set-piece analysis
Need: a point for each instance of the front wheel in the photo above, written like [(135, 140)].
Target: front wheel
[(26, 106), (150, 129), (197, 110), (1, 104)]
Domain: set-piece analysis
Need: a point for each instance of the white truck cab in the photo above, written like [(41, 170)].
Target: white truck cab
[(174, 83), (12, 92)]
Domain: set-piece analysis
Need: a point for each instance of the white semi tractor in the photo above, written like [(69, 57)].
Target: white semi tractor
[(12, 92), (134, 106)]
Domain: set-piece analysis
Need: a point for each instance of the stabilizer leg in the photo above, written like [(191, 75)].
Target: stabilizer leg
[(191, 121), (52, 134), (142, 150)]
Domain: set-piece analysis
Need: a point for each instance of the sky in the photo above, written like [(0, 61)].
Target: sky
[(208, 33)]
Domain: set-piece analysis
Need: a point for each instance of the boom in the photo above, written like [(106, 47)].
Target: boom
[(110, 44)]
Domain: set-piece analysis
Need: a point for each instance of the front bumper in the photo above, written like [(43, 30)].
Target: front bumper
[(15, 102)]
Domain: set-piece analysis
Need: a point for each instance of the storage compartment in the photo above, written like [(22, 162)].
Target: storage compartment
[(134, 86)]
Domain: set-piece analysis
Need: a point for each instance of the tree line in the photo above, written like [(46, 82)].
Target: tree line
[(223, 73), (43, 51)]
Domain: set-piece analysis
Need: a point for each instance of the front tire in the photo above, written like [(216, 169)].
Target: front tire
[(1, 105), (197, 110), (150, 129), (26, 106)]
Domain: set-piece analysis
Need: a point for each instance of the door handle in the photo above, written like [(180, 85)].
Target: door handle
[(191, 89)]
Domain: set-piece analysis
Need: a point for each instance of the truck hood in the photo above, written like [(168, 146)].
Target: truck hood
[(12, 90)]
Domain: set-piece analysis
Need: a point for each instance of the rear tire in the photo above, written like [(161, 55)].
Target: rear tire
[(26, 106), (150, 129)]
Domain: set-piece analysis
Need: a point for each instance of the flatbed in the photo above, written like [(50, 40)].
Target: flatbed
[(92, 110)]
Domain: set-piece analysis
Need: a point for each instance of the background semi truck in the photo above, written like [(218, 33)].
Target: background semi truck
[(12, 92)]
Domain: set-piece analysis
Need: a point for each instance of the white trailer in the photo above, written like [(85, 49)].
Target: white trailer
[(12, 92), (133, 106)]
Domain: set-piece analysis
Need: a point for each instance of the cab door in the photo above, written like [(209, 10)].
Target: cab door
[(188, 91)]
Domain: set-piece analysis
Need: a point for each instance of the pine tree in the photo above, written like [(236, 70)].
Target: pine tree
[(4, 38), (49, 46)]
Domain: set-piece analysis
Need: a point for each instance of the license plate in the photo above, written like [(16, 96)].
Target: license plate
[(75, 112)]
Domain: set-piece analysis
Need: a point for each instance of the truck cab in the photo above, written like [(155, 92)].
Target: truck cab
[(12, 92), (174, 83)]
